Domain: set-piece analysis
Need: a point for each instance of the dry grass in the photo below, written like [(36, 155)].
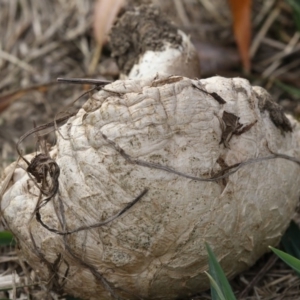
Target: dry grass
[(42, 40)]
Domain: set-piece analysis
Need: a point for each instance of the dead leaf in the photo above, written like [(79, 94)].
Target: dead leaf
[(230, 125), (104, 16), (241, 12)]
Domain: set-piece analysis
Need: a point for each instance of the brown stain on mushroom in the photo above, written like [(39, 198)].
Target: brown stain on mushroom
[(222, 182)]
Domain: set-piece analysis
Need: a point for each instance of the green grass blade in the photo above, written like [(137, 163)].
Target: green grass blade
[(289, 89), (219, 295), (295, 5), (291, 241), (218, 275), (6, 238), (291, 261)]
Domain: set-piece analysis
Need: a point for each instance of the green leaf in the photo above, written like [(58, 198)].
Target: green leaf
[(214, 285), (291, 261), (291, 241), (6, 238), (219, 277)]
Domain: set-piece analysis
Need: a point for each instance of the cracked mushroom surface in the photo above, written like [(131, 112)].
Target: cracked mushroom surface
[(167, 144)]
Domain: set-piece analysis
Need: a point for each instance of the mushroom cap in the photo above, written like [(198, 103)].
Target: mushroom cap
[(165, 136)]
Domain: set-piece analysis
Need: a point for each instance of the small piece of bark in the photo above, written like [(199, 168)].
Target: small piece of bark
[(230, 125)]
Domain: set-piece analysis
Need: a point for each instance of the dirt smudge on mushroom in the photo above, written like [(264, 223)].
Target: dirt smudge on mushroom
[(266, 103)]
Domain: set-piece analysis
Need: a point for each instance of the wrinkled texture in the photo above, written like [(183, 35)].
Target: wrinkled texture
[(156, 249)]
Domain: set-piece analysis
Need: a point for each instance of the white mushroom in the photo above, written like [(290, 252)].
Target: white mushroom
[(162, 142)]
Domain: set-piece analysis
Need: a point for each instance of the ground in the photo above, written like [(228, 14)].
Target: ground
[(43, 40)]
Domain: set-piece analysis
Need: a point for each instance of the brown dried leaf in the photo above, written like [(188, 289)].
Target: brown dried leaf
[(230, 125), (104, 16), (241, 12)]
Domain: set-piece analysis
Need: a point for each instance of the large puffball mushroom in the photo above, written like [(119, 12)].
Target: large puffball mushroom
[(167, 143), (143, 42)]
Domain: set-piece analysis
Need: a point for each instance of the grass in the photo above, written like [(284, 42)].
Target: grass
[(220, 287), (6, 238)]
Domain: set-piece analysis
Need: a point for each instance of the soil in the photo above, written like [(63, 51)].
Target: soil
[(150, 31)]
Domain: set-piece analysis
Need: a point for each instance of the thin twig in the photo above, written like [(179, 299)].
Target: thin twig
[(96, 82), (261, 273), (214, 178), (14, 60), (39, 128), (263, 31), (96, 225)]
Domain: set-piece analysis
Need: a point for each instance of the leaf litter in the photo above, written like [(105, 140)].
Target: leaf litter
[(35, 50)]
